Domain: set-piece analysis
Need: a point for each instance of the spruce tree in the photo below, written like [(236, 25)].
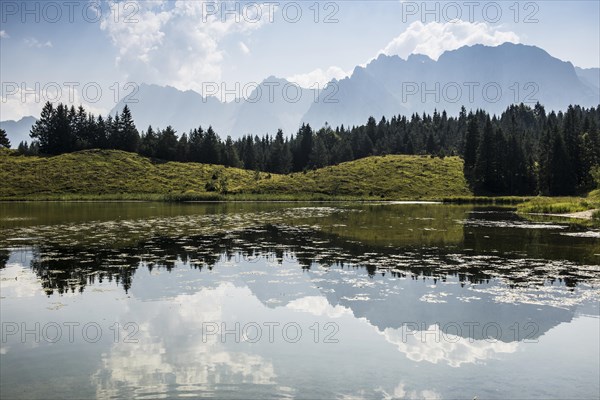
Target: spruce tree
[(230, 155), (42, 129), (562, 176), (485, 173), (4, 142)]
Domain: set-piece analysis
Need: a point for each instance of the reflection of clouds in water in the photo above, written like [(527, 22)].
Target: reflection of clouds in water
[(401, 392), (436, 346), (318, 305), (554, 296), (170, 353), (18, 281)]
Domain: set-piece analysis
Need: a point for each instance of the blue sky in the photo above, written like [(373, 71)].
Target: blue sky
[(186, 43)]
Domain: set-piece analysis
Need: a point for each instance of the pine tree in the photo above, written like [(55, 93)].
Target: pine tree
[(431, 147), (23, 148), (280, 157), (471, 147), (62, 135), (342, 152), (128, 137), (149, 143), (195, 143), (230, 155), (81, 129), (210, 152), (302, 151), (562, 176), (249, 154), (183, 148), (167, 144), (319, 156), (4, 142), (485, 173), (42, 130)]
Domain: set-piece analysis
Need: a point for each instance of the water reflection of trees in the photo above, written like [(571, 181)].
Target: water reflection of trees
[(4, 255), (71, 268)]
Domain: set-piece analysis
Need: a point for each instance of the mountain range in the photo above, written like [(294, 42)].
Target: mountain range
[(490, 78)]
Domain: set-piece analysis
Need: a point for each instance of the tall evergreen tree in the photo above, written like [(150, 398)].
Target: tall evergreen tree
[(471, 146), (167, 144), (210, 152), (485, 173), (127, 136), (562, 176), (280, 157), (319, 156), (230, 155), (149, 143), (4, 142), (183, 148), (42, 130)]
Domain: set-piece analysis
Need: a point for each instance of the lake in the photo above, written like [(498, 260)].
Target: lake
[(292, 300)]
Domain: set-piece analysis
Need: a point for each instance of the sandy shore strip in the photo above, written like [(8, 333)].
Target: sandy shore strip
[(579, 215)]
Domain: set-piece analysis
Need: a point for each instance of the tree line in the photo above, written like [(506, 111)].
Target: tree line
[(523, 151)]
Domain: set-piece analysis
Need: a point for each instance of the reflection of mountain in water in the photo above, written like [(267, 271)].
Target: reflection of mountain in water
[(65, 268), (452, 306), (373, 281)]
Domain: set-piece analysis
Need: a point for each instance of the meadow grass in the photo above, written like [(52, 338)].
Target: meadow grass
[(117, 175)]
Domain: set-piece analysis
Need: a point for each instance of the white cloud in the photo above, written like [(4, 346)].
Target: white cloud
[(33, 42), (319, 306), (29, 101), (434, 38), (175, 43), (4, 35), (445, 348), (318, 77), (157, 361), (401, 392)]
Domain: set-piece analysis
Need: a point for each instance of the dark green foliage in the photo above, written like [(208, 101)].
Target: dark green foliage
[(523, 151), (280, 156), (124, 133), (230, 155), (149, 143), (167, 144), (4, 142), (63, 130), (562, 174), (471, 144)]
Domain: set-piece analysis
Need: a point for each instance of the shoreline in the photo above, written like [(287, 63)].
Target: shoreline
[(585, 215), (254, 198)]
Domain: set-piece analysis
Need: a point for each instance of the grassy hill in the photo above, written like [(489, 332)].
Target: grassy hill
[(104, 174)]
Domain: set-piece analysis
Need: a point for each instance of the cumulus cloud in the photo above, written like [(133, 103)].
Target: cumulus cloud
[(434, 38), (26, 101), (33, 42), (319, 306), (174, 353), (318, 77), (175, 43), (4, 35), (401, 392), (449, 349)]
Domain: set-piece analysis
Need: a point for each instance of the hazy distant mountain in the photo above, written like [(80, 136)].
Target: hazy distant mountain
[(18, 131), (161, 106), (274, 104), (590, 76), (477, 76)]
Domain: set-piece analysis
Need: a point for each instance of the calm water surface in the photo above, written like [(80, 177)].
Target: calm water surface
[(288, 300)]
